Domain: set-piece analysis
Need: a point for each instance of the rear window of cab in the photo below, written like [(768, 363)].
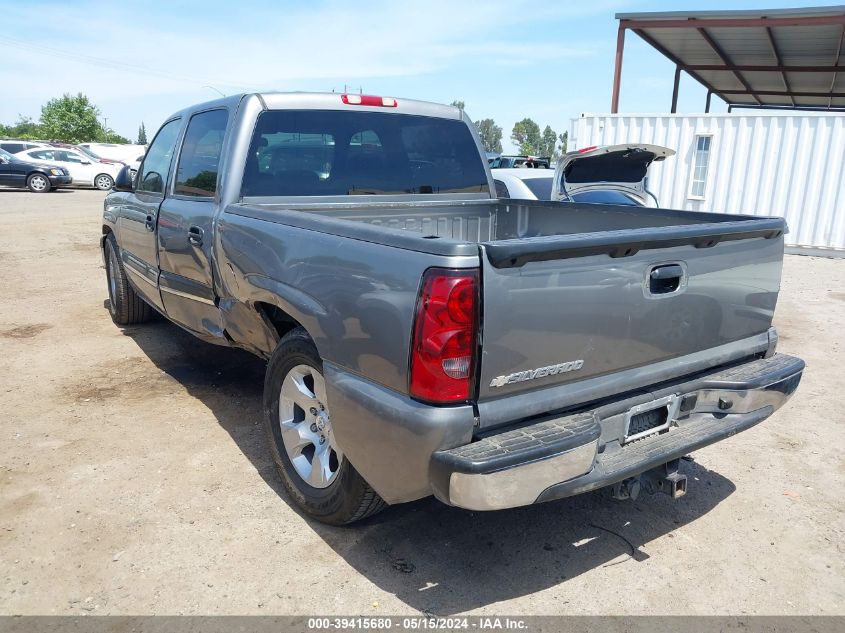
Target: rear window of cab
[(338, 153)]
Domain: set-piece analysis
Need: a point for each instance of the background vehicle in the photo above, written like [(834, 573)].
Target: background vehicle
[(135, 165), (525, 162), (115, 151), (83, 170), (424, 337), (14, 147), (603, 175), (37, 177), (87, 152)]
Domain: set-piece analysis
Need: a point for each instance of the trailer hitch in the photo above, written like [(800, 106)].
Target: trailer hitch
[(665, 478)]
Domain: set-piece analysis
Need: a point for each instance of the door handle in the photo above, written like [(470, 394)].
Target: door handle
[(150, 223), (195, 235)]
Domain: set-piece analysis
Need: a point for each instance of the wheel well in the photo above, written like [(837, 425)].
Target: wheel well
[(280, 320)]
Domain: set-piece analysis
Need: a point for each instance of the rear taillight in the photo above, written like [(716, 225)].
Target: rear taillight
[(443, 352), (369, 100)]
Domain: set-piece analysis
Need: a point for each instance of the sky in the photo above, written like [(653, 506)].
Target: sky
[(507, 60)]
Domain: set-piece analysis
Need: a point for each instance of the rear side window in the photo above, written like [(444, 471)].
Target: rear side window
[(13, 148), (157, 162), (501, 189), (338, 153), (44, 154), (199, 159), (605, 197), (540, 187)]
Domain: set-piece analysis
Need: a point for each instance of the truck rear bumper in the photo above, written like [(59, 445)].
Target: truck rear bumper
[(567, 455)]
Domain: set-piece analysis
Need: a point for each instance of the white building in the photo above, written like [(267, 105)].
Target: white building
[(784, 163)]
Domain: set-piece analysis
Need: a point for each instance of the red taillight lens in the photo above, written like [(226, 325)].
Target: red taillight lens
[(369, 100), (444, 345)]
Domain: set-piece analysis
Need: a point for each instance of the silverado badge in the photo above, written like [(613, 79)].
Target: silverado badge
[(540, 372)]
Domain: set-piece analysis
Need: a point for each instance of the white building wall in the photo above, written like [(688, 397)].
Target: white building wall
[(785, 164)]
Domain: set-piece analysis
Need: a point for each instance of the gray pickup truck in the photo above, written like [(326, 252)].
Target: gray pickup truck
[(424, 337)]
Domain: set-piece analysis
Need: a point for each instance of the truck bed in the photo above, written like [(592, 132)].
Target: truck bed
[(495, 220)]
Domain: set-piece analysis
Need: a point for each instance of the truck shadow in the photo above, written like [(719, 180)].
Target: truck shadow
[(434, 558)]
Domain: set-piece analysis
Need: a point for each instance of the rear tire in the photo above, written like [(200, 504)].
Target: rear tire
[(38, 183), (316, 474), (125, 305), (103, 182)]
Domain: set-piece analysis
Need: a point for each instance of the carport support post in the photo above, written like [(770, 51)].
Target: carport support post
[(675, 89), (617, 72)]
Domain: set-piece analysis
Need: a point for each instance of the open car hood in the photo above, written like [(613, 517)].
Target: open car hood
[(607, 167)]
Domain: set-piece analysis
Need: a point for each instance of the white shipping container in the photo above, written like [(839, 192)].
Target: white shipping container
[(784, 164)]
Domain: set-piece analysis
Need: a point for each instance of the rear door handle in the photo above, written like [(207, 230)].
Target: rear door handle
[(150, 223), (195, 235)]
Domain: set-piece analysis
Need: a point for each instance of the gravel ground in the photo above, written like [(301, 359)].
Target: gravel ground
[(135, 479)]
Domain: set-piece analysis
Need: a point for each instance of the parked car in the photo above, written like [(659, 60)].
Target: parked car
[(135, 165), (84, 170), (525, 162), (15, 147), (38, 177), (424, 337), (608, 172), (524, 184), (87, 152), (115, 151), (615, 174)]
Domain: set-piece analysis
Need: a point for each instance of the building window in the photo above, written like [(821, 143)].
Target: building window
[(700, 161)]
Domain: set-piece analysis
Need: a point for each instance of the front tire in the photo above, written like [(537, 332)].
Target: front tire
[(38, 183), (316, 474), (125, 305)]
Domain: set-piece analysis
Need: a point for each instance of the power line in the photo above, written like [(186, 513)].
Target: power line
[(111, 64)]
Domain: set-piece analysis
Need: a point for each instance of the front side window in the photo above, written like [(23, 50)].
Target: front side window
[(70, 157), (340, 153), (199, 159), (157, 163), (701, 160)]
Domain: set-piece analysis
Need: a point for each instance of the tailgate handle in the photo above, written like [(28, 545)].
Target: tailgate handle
[(665, 279)]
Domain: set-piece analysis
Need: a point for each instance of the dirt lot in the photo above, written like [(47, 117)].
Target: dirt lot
[(135, 479)]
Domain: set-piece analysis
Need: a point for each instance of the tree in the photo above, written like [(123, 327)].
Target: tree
[(24, 128), (72, 119), (526, 136), (548, 142), (458, 104), (491, 135), (564, 142), (142, 135), (110, 136)]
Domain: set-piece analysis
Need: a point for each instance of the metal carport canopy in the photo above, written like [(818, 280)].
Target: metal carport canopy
[(779, 58)]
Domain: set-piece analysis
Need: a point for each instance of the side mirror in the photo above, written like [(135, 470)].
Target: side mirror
[(3, 160), (124, 181)]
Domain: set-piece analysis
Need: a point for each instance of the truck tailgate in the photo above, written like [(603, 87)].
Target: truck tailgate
[(562, 309)]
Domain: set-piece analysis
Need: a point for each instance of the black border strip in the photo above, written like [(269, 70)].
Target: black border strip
[(517, 253)]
